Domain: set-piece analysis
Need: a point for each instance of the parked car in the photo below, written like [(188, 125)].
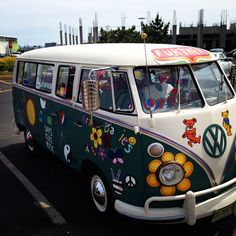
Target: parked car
[(2, 55), (15, 54), (225, 62), (232, 53), (218, 50)]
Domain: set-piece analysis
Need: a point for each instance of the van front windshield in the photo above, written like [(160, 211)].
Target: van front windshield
[(212, 83), (163, 89)]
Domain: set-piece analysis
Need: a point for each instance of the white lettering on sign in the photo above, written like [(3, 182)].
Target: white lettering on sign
[(187, 53)]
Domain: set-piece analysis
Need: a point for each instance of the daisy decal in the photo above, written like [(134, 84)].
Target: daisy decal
[(170, 173), (95, 136)]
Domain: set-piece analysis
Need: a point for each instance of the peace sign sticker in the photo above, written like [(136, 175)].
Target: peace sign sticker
[(130, 181)]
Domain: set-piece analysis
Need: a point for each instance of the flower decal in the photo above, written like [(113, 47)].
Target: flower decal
[(102, 153), (183, 185), (95, 136)]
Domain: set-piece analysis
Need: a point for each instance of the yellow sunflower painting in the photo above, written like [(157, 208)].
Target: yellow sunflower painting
[(95, 136), (183, 185), (30, 111)]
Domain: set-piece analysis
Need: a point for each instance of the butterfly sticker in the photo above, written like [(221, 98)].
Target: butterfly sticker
[(116, 155)]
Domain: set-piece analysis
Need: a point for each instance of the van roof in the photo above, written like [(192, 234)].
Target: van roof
[(122, 54)]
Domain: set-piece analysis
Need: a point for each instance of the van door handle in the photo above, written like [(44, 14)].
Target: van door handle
[(77, 124), (54, 114)]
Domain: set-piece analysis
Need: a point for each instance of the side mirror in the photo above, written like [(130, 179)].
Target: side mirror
[(90, 95)]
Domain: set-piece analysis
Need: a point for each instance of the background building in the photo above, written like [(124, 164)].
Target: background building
[(200, 35), (8, 45), (210, 37)]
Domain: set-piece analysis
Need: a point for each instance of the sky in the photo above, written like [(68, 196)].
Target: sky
[(35, 22)]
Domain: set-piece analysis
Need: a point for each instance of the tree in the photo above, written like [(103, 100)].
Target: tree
[(119, 36), (157, 32)]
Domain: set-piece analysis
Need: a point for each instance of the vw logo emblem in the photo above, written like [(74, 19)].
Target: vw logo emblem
[(214, 141)]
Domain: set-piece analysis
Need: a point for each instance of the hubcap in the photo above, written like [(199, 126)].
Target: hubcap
[(99, 193)]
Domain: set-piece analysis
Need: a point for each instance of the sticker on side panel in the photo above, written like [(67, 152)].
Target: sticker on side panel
[(130, 181), (151, 103), (49, 138), (102, 153), (226, 122), (96, 137), (42, 103), (116, 183), (67, 154), (127, 143), (31, 114), (116, 155), (190, 132), (62, 118)]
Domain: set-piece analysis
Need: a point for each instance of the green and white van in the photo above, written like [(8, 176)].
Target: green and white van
[(151, 126)]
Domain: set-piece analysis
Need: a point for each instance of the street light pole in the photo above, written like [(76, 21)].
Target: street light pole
[(141, 22)]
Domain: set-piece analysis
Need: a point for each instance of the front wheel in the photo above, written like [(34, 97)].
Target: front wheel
[(100, 193)]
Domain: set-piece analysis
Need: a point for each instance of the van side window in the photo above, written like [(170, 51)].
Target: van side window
[(20, 72), (123, 98), (104, 79), (44, 77), (29, 76), (65, 81), (84, 76)]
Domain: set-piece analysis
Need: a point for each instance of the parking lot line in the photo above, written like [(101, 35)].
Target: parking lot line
[(5, 82), (6, 90), (53, 214)]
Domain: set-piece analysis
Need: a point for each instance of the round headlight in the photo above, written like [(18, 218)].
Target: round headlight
[(170, 173)]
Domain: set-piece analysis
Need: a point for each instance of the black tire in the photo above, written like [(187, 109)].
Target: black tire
[(30, 143), (100, 192)]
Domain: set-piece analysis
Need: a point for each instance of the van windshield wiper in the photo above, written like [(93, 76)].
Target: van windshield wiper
[(178, 88), (221, 88)]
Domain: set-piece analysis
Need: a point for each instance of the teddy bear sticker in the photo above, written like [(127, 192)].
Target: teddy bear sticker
[(190, 132), (226, 123)]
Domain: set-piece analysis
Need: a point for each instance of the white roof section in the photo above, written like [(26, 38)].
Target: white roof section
[(121, 54)]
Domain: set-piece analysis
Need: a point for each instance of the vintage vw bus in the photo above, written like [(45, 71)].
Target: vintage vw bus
[(152, 126)]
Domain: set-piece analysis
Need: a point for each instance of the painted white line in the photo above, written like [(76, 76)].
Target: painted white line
[(5, 82), (54, 215), (6, 90)]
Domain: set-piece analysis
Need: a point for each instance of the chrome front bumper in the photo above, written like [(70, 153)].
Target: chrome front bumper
[(189, 212)]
